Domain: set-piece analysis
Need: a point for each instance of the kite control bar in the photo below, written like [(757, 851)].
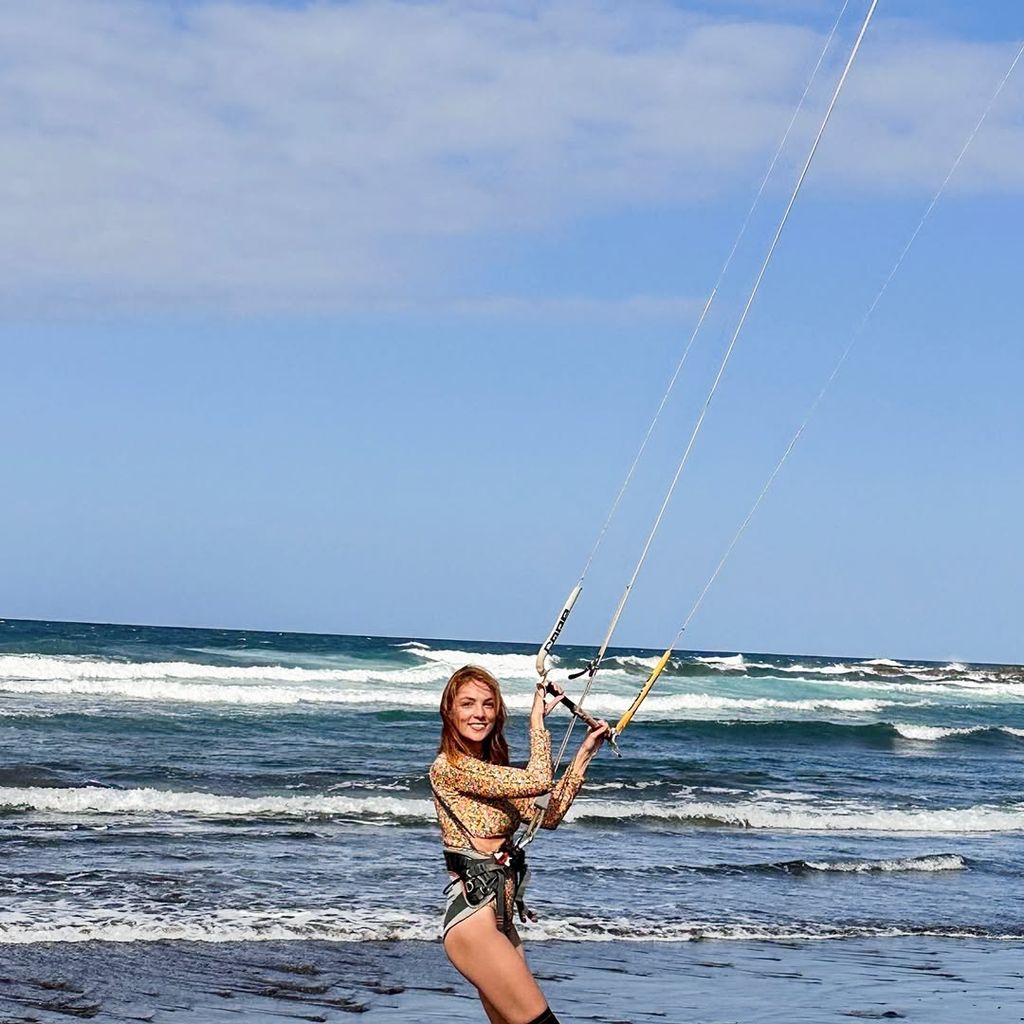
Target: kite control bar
[(584, 716)]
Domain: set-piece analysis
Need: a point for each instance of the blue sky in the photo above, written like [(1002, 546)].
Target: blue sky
[(349, 317)]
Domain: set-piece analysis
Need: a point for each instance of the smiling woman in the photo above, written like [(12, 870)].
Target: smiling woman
[(480, 802)]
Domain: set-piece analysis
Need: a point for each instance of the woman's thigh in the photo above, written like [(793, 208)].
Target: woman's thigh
[(488, 960)]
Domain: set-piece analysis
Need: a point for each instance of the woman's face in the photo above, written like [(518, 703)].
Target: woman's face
[(475, 712)]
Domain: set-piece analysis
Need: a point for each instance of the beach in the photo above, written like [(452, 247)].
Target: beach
[(938, 981), (203, 824)]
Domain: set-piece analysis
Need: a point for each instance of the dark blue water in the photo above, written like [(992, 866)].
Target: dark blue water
[(209, 784)]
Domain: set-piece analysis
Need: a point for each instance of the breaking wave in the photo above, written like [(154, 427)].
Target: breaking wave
[(16, 668), (938, 862), (729, 663), (56, 922), (934, 732), (927, 863), (805, 816), (184, 683), (98, 800), (788, 812)]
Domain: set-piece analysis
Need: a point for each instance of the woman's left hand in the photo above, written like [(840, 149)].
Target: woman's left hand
[(595, 738)]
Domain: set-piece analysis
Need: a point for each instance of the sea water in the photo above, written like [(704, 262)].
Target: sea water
[(223, 786)]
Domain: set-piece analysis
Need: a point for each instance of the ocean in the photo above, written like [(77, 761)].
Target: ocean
[(211, 790)]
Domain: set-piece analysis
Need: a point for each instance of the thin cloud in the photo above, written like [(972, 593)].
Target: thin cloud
[(581, 307), (318, 157)]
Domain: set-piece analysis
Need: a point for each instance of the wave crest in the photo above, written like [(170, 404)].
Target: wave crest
[(798, 815), (97, 800), (60, 923), (783, 812), (931, 733)]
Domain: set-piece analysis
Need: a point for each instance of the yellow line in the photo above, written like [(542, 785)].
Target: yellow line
[(646, 689)]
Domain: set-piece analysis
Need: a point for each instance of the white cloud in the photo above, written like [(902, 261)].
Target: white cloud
[(245, 156), (909, 110)]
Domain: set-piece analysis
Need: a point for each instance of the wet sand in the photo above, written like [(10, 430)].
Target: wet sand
[(915, 979)]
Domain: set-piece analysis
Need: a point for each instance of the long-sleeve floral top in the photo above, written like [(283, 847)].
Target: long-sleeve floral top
[(493, 799)]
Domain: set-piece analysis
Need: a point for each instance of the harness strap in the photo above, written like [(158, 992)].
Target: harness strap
[(451, 814)]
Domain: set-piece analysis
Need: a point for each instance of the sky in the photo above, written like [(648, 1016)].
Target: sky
[(349, 317)]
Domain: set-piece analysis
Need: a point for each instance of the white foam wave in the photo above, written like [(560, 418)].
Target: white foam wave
[(812, 817), (512, 668), (636, 661), (664, 706), (930, 733), (792, 812), (584, 929), (838, 669), (207, 693), (871, 668), (969, 679), (21, 668), (251, 684), (683, 705), (170, 690), (597, 787), (955, 673), (941, 862), (503, 666), (63, 922), (939, 686), (393, 787), (729, 663), (96, 800)]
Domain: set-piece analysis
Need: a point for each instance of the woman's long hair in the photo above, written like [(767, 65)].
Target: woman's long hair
[(495, 747)]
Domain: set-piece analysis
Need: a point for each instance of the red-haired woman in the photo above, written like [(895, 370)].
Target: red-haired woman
[(480, 802)]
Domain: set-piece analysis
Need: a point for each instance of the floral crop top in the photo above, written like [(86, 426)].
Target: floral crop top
[(493, 799)]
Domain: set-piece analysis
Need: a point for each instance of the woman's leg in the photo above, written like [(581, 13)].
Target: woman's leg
[(487, 959), (492, 1014)]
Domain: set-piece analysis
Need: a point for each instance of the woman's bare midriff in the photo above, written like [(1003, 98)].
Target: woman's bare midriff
[(488, 844)]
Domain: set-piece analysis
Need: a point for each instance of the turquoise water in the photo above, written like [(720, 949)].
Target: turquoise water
[(207, 784)]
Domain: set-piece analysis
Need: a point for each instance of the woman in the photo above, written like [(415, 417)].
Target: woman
[(480, 802)]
